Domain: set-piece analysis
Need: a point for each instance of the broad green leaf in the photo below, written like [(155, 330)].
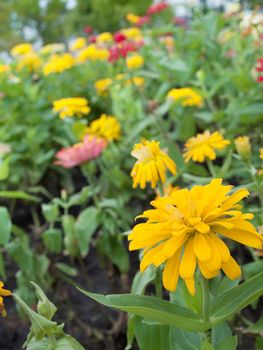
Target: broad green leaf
[(151, 337), (182, 340), (5, 226), (50, 211), (229, 343), (153, 308), (2, 266), (220, 333), (236, 298), (253, 268), (53, 240), (68, 270), (85, 226)]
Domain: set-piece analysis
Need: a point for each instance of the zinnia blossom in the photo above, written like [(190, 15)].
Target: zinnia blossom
[(259, 69), (21, 49), (80, 153), (203, 146), (31, 61), (73, 106), (105, 37), (102, 86), (92, 53), (261, 153), (186, 96), (106, 127), (157, 8), (3, 293), (182, 232), (4, 68), (151, 164), (78, 43), (134, 62), (58, 63)]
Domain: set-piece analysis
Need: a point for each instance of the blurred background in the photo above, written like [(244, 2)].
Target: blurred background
[(47, 21)]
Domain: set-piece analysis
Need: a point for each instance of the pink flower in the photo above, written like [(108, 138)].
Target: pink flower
[(259, 67), (143, 20), (90, 148), (122, 49), (93, 39), (119, 37), (157, 8)]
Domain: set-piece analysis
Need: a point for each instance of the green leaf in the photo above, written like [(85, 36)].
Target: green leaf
[(66, 269), (236, 298), (182, 340), (53, 240), (229, 343), (18, 195), (2, 267), (85, 226), (141, 280), (220, 333), (5, 226), (153, 308), (50, 211), (44, 306), (151, 337), (4, 169)]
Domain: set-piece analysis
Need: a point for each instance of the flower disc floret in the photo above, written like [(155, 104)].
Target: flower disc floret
[(182, 232)]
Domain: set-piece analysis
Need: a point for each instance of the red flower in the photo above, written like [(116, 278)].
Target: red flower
[(88, 29), (180, 21), (122, 49), (119, 37), (157, 8), (93, 39), (259, 67), (260, 79)]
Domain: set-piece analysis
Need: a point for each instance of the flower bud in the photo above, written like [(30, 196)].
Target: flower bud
[(243, 147)]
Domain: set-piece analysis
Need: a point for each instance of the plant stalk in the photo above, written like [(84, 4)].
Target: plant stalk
[(205, 296)]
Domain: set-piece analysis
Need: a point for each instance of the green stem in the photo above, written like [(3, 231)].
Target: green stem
[(52, 342), (211, 168), (158, 284), (205, 296)]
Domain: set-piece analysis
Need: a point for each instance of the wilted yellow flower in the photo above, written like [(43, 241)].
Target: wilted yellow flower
[(243, 146), (151, 164), (105, 37), (78, 43), (58, 63), (132, 33), (21, 49), (132, 18), (102, 86), (73, 106), (186, 96), (52, 48), (93, 53), (4, 68), (31, 60), (106, 127), (203, 146), (182, 232), (261, 153), (134, 61), (3, 293)]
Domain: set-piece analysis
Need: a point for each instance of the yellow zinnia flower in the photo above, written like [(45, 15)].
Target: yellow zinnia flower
[(132, 18), (21, 49), (134, 62), (261, 153), (58, 63), (102, 86), (134, 33), (31, 60), (243, 146), (3, 293), (105, 37), (151, 164), (73, 106), (4, 68), (182, 232), (203, 146), (186, 96), (52, 48), (92, 53), (78, 43), (106, 127)]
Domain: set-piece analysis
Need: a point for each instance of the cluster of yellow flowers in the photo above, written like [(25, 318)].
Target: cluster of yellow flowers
[(92, 52), (186, 96), (73, 106), (102, 86), (26, 57), (58, 63), (107, 127)]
